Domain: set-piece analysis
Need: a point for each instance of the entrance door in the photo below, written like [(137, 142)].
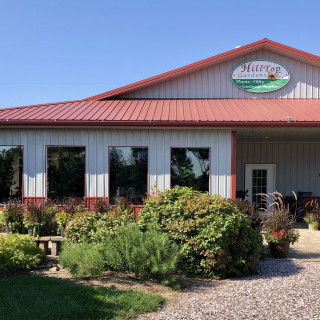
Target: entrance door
[(259, 178)]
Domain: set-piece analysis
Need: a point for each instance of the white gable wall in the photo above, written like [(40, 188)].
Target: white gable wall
[(215, 82), (97, 141)]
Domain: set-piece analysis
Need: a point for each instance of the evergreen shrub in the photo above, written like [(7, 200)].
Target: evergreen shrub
[(149, 254)]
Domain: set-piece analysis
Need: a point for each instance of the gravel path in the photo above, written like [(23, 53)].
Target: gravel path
[(283, 289)]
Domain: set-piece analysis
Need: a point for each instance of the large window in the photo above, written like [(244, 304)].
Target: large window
[(190, 168), (10, 173), (65, 172), (128, 169)]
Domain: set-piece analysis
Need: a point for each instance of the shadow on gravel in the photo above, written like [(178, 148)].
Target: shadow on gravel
[(298, 254), (275, 268)]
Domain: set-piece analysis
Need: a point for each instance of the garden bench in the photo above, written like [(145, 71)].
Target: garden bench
[(43, 243)]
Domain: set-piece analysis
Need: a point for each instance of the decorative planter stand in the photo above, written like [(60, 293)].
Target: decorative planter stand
[(279, 250)]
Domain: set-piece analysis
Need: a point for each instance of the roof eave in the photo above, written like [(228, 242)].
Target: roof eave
[(232, 124)]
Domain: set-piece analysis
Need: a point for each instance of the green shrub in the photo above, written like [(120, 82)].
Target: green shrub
[(148, 254), (249, 209), (82, 259), (92, 226), (19, 252), (215, 238)]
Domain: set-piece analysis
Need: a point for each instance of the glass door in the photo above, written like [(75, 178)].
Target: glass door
[(259, 179)]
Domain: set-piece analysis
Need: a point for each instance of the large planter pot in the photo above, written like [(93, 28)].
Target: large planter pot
[(279, 250), (7, 229)]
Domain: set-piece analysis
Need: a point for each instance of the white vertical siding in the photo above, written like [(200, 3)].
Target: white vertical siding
[(97, 141), (215, 82), (297, 164)]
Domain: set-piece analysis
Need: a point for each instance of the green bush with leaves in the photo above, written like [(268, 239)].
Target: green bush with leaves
[(82, 259), (216, 239), (149, 254), (19, 252), (92, 226), (249, 209)]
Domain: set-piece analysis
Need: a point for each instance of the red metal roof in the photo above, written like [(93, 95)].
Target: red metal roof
[(160, 112), (264, 43)]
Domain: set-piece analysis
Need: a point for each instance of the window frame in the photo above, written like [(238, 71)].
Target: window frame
[(209, 191), (146, 147), (46, 166), (22, 171)]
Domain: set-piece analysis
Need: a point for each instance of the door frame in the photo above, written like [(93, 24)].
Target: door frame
[(273, 165)]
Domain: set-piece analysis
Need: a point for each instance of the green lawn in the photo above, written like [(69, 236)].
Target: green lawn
[(34, 297)]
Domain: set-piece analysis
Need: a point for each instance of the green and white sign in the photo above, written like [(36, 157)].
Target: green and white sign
[(260, 76)]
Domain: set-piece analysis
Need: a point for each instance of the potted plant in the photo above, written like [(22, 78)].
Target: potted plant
[(62, 218), (41, 216), (313, 214), (12, 216), (29, 223), (278, 226), (312, 224)]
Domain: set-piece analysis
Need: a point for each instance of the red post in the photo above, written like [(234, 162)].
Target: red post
[(233, 165)]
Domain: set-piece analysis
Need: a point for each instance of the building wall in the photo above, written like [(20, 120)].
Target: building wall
[(298, 164), (215, 81), (96, 141)]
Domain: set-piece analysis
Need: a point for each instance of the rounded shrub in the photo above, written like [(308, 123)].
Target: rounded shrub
[(19, 252), (216, 239)]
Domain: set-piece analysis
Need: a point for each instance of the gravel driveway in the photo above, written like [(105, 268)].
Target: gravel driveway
[(283, 289)]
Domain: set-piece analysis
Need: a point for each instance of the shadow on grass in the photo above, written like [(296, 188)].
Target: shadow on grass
[(34, 297)]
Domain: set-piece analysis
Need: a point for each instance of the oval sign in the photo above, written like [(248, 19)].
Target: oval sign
[(260, 76)]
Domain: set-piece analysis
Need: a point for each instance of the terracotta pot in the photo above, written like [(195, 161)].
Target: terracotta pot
[(279, 250)]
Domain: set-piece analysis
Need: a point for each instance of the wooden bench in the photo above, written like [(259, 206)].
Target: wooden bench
[(43, 243)]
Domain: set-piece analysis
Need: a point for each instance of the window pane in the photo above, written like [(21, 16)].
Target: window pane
[(190, 168), (128, 174), (10, 173), (65, 172)]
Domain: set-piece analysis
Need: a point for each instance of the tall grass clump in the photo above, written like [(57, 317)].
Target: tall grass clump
[(82, 259)]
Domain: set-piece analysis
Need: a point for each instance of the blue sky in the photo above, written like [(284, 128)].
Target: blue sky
[(71, 49)]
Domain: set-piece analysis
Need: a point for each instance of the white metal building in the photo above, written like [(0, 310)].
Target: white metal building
[(245, 119)]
